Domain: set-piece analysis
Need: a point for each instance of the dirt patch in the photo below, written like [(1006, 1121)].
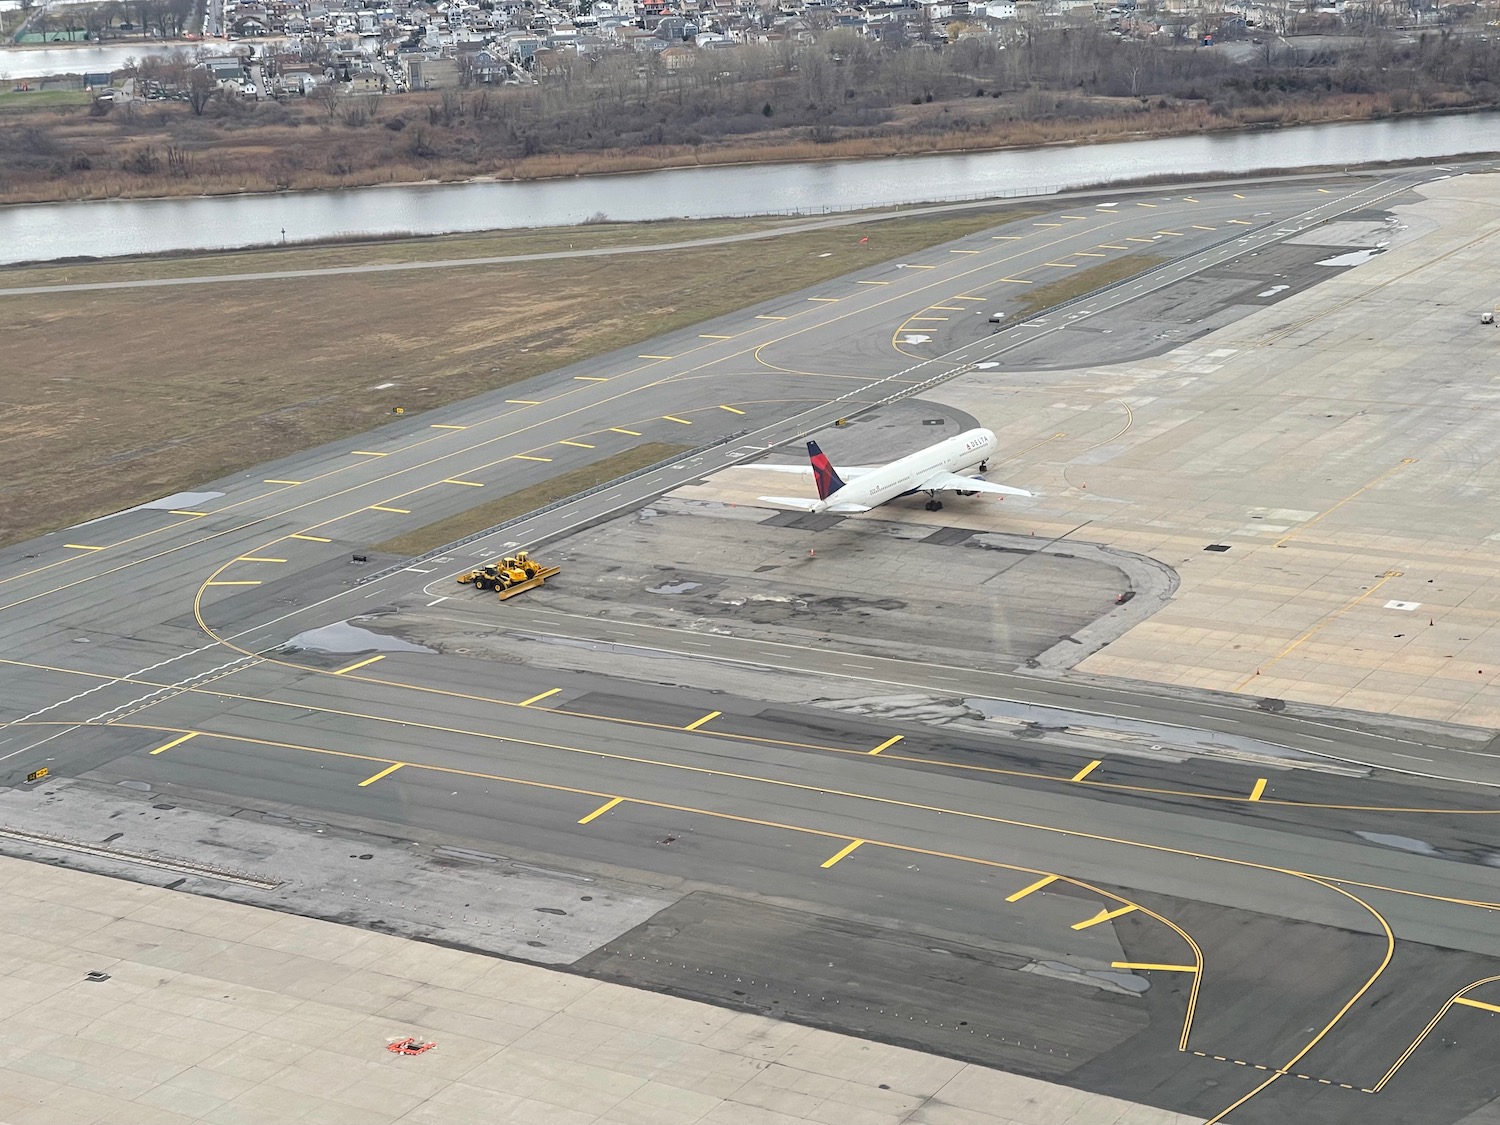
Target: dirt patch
[(528, 499), (116, 398), (1086, 281)]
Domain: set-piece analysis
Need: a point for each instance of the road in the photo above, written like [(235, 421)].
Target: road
[(1255, 945)]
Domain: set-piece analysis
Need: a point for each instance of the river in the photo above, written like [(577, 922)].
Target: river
[(46, 231)]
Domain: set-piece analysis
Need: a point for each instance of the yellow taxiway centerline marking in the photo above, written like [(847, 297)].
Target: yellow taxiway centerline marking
[(538, 698), (711, 336), (1464, 1000), (242, 582), (592, 378), (872, 283), (1147, 965), (367, 453), (1325, 191), (175, 742), (1242, 222), (393, 511), (310, 538), (841, 853), (602, 809), (731, 409), (887, 744), (1172, 233), (577, 444), (523, 402), (1105, 916), (1046, 224), (465, 483), (359, 664), (981, 300), (445, 426), (696, 723), (1200, 226), (1046, 880), (81, 547), (826, 300), (185, 512), (674, 418), (259, 558), (1237, 195), (527, 457), (1133, 238), (1061, 265), (764, 316), (281, 482), (1112, 246), (658, 357), (1088, 769), (1015, 281), (1152, 205), (383, 773), (914, 266), (622, 430), (1008, 237), (963, 251), (947, 308), (1089, 254), (1260, 787)]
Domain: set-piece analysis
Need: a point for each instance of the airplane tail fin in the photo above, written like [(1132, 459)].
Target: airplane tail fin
[(826, 475)]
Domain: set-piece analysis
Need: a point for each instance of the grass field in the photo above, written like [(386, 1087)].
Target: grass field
[(560, 487), (1041, 297), (116, 398), (13, 101)]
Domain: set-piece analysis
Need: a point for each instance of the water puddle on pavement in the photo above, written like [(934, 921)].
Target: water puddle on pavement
[(344, 639)]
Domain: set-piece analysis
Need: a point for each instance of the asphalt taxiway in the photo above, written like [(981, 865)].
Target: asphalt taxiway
[(1250, 940)]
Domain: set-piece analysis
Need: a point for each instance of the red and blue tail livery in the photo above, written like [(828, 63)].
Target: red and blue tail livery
[(823, 472)]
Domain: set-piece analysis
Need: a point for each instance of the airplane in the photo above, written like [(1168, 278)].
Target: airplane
[(938, 468)]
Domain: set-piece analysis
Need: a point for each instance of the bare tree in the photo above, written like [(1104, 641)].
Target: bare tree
[(328, 96), (200, 87)]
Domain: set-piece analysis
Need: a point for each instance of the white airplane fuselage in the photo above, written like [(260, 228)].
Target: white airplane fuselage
[(961, 454)]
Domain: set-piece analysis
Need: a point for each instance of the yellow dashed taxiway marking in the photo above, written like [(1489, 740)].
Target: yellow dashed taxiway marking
[(887, 744), (371, 780), (1105, 916), (81, 547), (445, 426), (577, 444), (826, 300), (731, 409), (259, 558), (872, 283), (368, 453), (622, 430), (658, 357), (712, 336), (1200, 226), (841, 853), (1260, 788), (185, 512), (1242, 222), (310, 538), (523, 402), (594, 378), (175, 742), (1045, 881), (764, 316), (393, 511), (281, 482), (359, 664), (242, 582), (527, 457), (1088, 769), (602, 809), (1147, 965), (696, 723), (465, 483), (549, 693), (1466, 1002), (674, 418)]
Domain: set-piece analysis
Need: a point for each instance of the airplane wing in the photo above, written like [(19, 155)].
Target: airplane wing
[(849, 473), (954, 482)]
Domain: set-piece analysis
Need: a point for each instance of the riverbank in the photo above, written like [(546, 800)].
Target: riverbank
[(73, 157)]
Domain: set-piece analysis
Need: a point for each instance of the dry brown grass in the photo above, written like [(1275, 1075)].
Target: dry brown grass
[(115, 398), (525, 500), (239, 157), (1041, 297)]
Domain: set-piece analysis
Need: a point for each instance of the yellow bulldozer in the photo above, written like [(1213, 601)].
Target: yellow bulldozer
[(510, 575)]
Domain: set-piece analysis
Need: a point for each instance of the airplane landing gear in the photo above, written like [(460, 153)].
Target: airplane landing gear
[(934, 505), (984, 466)]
